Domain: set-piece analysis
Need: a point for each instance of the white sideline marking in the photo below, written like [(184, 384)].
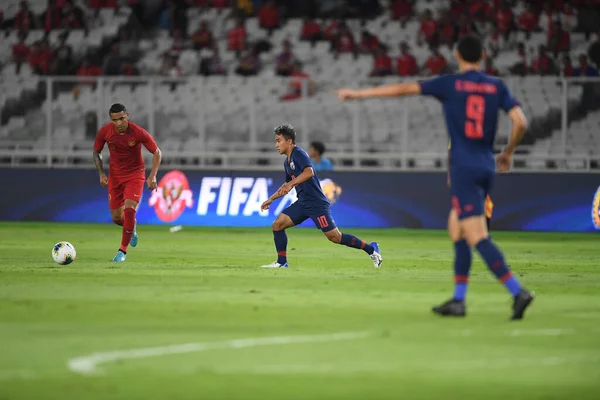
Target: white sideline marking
[(542, 332), (88, 364)]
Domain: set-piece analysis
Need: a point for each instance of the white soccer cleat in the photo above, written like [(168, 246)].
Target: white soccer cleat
[(275, 264), (376, 257)]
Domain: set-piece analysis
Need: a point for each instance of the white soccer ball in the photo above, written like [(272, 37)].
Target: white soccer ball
[(63, 253)]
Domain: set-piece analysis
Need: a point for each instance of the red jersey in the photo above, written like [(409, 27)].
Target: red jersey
[(125, 149)]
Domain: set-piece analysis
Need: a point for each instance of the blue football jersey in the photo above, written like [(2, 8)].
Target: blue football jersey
[(309, 192), (471, 101)]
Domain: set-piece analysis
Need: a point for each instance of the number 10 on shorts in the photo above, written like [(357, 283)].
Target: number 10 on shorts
[(322, 220)]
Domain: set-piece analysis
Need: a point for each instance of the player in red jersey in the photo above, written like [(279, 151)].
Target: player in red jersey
[(126, 175)]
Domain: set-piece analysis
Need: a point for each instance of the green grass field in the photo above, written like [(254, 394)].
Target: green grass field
[(202, 287)]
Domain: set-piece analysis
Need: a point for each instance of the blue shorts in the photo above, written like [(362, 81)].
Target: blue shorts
[(469, 189), (321, 216)]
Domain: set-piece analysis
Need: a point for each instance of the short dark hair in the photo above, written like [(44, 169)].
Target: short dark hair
[(470, 48), (287, 131), (116, 108), (318, 146)]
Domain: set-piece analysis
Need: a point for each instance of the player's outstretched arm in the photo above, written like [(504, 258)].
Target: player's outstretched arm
[(395, 90), (519, 126)]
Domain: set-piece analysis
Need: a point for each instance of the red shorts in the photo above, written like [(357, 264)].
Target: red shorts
[(121, 189)]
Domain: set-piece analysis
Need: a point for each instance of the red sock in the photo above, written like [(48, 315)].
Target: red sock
[(128, 226)]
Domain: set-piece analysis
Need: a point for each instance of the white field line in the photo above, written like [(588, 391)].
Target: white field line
[(88, 364), (541, 332)]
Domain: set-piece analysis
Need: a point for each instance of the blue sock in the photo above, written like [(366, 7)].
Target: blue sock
[(281, 246), (462, 267), (495, 261), (352, 241)]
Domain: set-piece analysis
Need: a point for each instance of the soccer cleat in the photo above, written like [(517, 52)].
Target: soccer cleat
[(521, 302), (134, 239), (120, 257), (452, 308), (275, 264), (376, 257)]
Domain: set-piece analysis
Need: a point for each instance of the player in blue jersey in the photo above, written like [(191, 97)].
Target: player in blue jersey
[(312, 202), (470, 102)]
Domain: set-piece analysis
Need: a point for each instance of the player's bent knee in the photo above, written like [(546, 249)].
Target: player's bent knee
[(118, 220), (279, 225), (474, 229)]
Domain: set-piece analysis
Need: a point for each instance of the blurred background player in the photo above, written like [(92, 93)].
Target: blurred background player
[(470, 102), (312, 202), (489, 204), (320, 163), (126, 175)]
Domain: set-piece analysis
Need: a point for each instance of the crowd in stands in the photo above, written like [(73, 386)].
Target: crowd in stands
[(441, 23)]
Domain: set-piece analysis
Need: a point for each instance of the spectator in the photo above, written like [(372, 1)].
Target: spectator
[(52, 17), (203, 37), (249, 63), (520, 67), (128, 46), (311, 31), (569, 18), (130, 70), (24, 19), (402, 10), (479, 10), (546, 18), (41, 58), (542, 64), (179, 43), (63, 54), (528, 20), (585, 69), (113, 62), (489, 67), (504, 20), (20, 52), (294, 91), (332, 30), (457, 9), (344, 42), (285, 60), (369, 43), (567, 69), (268, 16), (382, 63), (447, 30), (88, 69), (465, 26), (174, 16), (236, 37), (212, 65), (170, 68), (559, 40), (315, 152), (435, 64), (428, 30), (406, 62), (220, 4), (494, 42), (73, 16)]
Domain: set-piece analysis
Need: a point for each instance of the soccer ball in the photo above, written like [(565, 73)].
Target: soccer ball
[(63, 253)]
